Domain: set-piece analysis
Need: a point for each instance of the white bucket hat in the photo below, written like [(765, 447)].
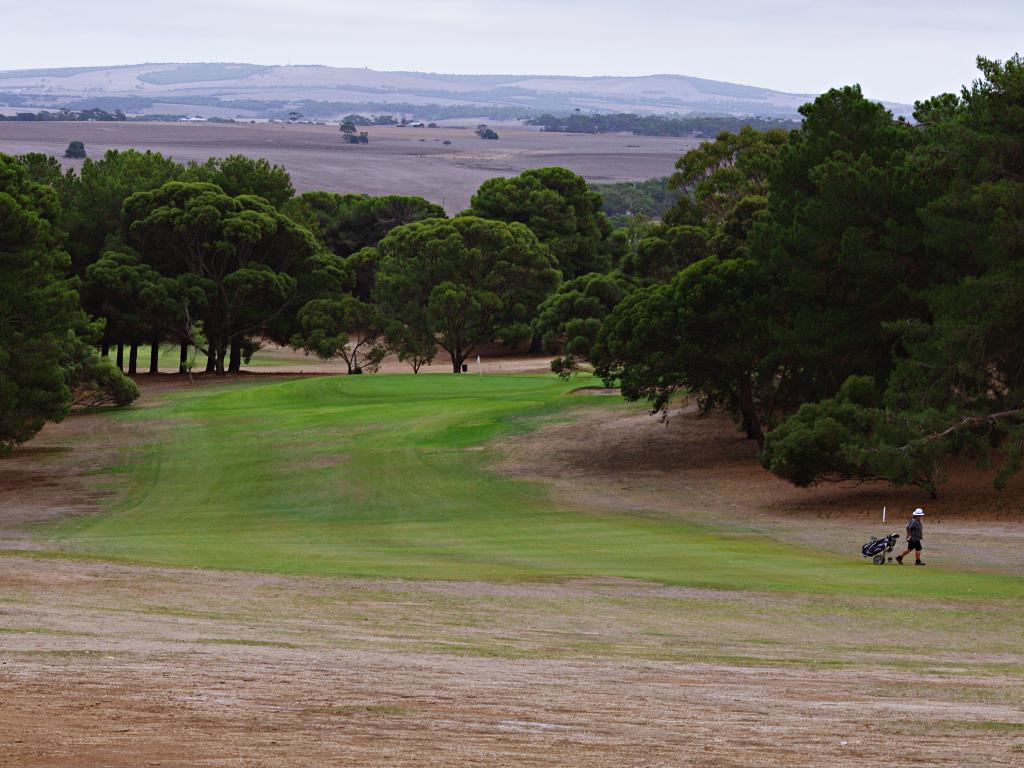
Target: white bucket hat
[(918, 512)]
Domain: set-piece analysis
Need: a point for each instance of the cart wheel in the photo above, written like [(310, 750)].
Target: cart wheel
[(878, 560)]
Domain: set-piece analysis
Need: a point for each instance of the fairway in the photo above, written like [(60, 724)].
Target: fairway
[(392, 476), (380, 565)]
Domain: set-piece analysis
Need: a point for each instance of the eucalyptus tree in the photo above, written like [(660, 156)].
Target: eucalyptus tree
[(465, 282)]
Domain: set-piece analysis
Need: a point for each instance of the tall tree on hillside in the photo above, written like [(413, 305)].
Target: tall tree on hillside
[(724, 183), (802, 282), (706, 333), (42, 359), (569, 319), (957, 384), (724, 171), (347, 224), (465, 281), (241, 175), (45, 169), (241, 257), (93, 201), (38, 307), (559, 208), (92, 213), (842, 238), (344, 327)]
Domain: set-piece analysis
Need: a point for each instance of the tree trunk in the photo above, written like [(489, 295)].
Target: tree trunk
[(105, 348), (457, 364), (183, 358), (120, 356), (221, 354), (235, 365), (211, 359), (133, 360), (154, 356), (751, 419)]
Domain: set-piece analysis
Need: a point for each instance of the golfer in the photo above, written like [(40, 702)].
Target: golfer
[(915, 532)]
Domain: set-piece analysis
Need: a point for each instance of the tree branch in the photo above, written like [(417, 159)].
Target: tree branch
[(972, 422)]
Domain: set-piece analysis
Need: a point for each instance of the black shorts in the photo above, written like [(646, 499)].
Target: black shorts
[(914, 545)]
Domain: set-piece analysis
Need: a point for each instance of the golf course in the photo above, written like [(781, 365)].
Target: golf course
[(453, 556), (390, 409)]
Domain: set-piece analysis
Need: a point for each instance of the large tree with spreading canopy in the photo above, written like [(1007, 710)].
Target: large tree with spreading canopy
[(465, 281)]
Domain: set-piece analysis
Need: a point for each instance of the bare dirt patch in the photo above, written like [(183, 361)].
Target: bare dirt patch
[(113, 665), (596, 391), (48, 478)]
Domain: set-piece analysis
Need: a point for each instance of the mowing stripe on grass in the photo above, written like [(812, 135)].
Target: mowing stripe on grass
[(390, 476)]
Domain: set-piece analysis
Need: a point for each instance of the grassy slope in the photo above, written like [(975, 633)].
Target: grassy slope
[(389, 476)]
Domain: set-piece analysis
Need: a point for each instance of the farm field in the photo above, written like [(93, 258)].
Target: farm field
[(407, 161), (479, 570)]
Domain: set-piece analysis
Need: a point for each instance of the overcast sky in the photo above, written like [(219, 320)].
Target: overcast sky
[(899, 50)]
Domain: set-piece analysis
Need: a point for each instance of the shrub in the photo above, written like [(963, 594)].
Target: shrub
[(76, 149)]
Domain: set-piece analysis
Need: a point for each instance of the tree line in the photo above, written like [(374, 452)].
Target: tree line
[(655, 125), (134, 252), (851, 290), (93, 115)]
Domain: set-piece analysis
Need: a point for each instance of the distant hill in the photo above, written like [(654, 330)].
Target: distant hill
[(251, 91)]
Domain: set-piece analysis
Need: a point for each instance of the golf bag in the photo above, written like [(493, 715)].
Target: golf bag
[(877, 549)]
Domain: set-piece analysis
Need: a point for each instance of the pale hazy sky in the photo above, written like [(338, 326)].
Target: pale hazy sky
[(898, 50)]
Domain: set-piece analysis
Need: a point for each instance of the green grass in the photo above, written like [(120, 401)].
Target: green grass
[(262, 358), (391, 476)]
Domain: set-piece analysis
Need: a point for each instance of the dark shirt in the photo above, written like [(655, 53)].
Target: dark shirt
[(915, 530)]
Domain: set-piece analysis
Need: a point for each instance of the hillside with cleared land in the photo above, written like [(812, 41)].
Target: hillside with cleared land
[(245, 91)]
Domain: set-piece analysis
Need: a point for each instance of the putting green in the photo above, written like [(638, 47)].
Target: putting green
[(391, 476)]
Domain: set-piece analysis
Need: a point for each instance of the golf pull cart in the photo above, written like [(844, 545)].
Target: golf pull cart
[(877, 549)]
